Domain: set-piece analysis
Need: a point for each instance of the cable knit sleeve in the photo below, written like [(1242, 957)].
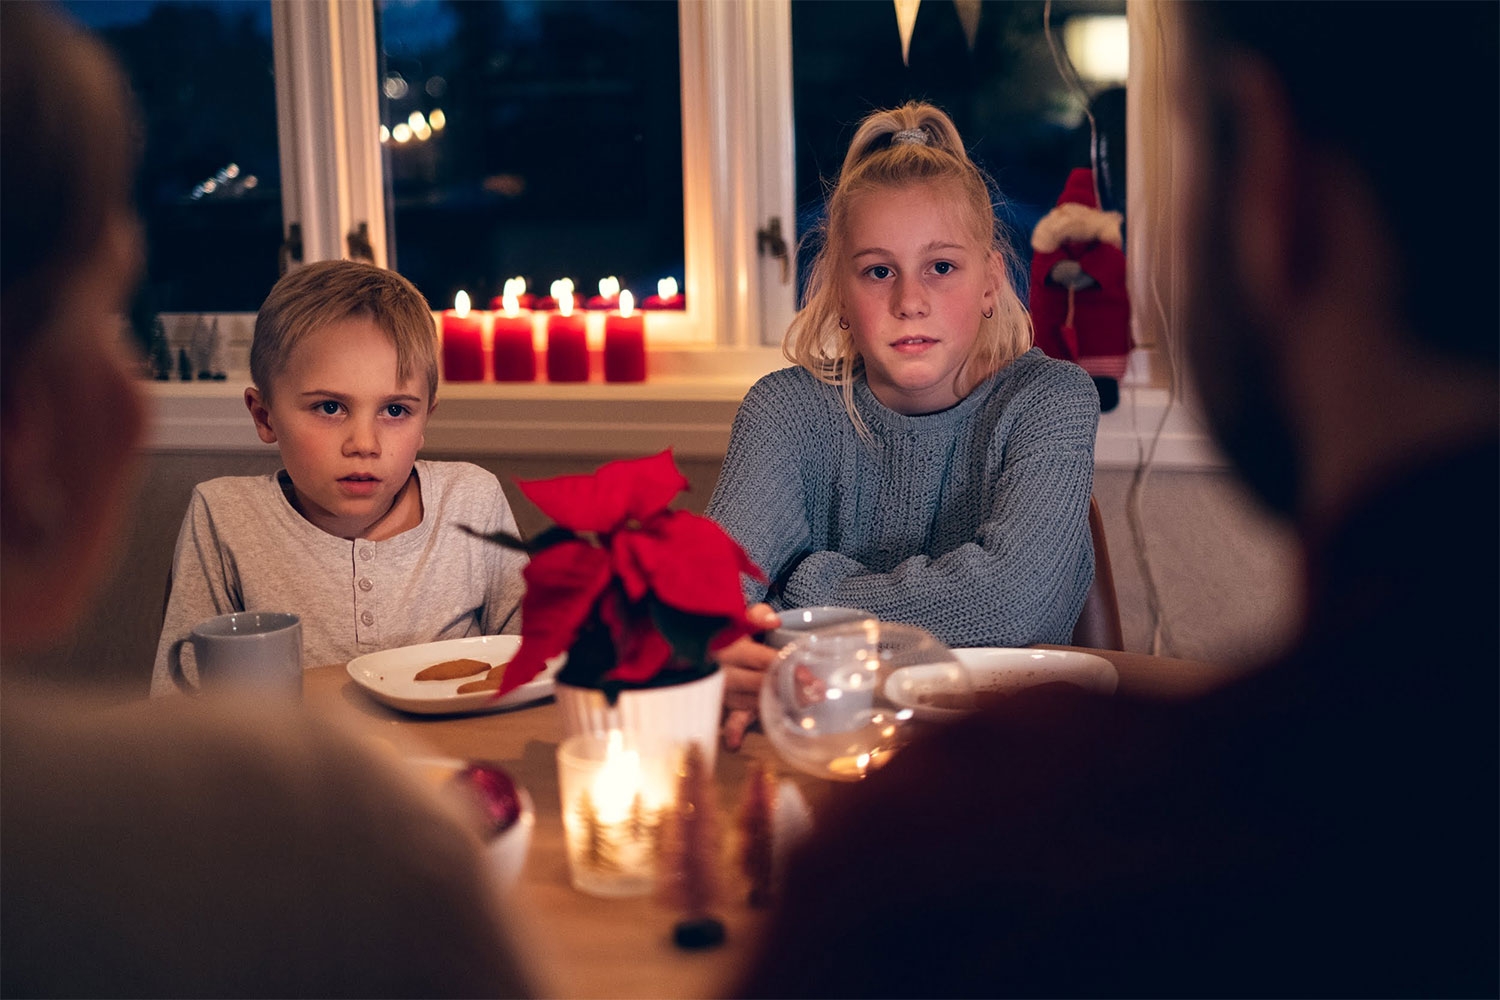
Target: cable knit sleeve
[(1023, 576), (760, 496)]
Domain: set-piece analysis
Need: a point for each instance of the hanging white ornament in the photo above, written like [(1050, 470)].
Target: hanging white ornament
[(906, 22), (968, 16)]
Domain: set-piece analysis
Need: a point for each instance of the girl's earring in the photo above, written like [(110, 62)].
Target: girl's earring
[(989, 313), (843, 323)]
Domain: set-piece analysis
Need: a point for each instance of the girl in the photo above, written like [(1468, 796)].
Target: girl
[(922, 462)]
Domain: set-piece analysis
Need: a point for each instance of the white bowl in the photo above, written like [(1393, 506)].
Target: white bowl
[(507, 851), (1000, 671)]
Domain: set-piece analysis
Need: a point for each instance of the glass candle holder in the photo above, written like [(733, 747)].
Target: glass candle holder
[(615, 789)]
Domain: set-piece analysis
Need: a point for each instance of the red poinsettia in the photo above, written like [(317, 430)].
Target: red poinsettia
[(636, 594)]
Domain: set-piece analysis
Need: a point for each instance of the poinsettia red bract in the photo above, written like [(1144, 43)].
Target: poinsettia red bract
[(664, 584)]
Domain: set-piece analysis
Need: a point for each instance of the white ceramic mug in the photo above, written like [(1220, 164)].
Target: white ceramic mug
[(258, 650)]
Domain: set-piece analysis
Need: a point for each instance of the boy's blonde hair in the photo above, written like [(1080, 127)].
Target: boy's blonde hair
[(874, 162), (328, 291)]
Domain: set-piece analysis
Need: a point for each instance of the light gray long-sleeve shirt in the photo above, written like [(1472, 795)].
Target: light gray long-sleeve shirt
[(243, 547), (971, 522)]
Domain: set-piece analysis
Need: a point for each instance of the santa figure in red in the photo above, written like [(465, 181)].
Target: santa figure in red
[(1079, 305)]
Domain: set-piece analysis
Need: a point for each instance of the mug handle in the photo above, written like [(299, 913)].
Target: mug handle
[(174, 664)]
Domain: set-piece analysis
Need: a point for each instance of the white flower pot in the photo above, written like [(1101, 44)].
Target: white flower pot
[(681, 713)]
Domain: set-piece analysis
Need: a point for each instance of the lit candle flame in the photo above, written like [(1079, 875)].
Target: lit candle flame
[(514, 286), (627, 303), (666, 288), (461, 304), (618, 782), (510, 303), (609, 287), (565, 303)]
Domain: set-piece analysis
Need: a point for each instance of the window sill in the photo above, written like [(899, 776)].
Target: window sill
[(688, 404)]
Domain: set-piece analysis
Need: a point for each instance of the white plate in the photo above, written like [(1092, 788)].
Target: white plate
[(995, 670), (389, 676)]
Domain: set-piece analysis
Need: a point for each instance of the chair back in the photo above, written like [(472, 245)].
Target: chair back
[(1098, 625)]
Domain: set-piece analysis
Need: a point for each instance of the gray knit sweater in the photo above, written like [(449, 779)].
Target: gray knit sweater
[(971, 522)]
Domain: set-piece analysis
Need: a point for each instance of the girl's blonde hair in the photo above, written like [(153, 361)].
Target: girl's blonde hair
[(916, 143)]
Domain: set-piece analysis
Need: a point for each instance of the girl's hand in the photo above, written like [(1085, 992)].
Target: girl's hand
[(744, 663)]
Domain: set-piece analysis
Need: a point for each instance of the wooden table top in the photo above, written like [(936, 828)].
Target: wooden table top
[(584, 946)]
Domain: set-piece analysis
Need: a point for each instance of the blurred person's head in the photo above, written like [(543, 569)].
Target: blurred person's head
[(71, 415), (907, 179), (344, 361), (1333, 161)]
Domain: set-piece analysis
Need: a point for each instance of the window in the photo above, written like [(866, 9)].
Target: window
[(210, 184), (534, 139)]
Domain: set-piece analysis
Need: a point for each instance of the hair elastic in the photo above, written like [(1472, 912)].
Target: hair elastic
[(918, 136)]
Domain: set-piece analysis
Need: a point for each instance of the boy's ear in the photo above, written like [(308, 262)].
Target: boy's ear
[(261, 414)]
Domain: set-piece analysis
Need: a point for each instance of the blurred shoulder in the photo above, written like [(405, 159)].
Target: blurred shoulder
[(264, 803)]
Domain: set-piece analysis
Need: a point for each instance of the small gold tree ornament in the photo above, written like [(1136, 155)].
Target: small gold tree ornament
[(689, 866), (757, 833)]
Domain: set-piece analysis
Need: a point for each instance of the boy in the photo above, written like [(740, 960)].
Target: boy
[(354, 534)]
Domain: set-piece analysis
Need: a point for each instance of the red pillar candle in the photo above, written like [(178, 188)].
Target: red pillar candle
[(609, 294), (517, 287), (463, 342), (625, 343), (567, 344), (515, 354), (667, 296)]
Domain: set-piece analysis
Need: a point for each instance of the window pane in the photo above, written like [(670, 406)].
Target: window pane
[(540, 139), (1022, 123), (210, 183)]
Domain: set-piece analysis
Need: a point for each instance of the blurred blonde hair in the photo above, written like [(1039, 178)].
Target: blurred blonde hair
[(328, 291), (875, 163)]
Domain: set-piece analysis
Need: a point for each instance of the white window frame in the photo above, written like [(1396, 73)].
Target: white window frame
[(328, 123)]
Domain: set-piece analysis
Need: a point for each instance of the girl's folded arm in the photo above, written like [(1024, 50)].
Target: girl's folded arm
[(1023, 577)]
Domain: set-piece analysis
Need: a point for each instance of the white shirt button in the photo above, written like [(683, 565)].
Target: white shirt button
[(365, 583), (367, 618), (367, 552)]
